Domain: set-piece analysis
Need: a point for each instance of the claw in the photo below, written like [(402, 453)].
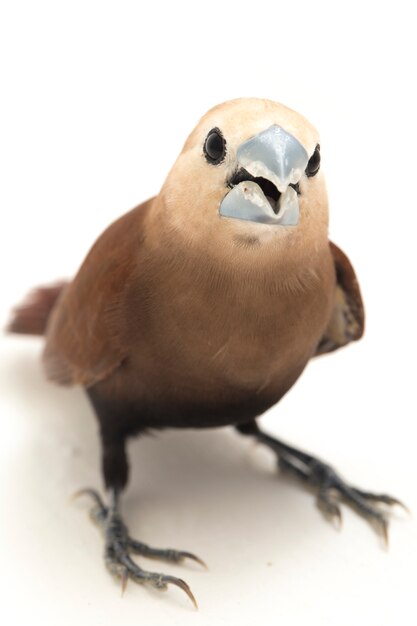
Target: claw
[(182, 585), (124, 577), (167, 554), (193, 557), (89, 492), (337, 519), (382, 528), (330, 509), (383, 498), (395, 502)]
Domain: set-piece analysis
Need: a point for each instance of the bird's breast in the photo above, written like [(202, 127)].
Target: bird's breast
[(198, 335)]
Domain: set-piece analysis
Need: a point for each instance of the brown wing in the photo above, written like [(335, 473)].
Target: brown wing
[(348, 318), (84, 335)]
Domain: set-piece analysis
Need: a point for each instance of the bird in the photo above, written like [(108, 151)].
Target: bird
[(201, 307)]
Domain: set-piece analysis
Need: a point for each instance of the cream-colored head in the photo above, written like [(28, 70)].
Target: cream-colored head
[(191, 204)]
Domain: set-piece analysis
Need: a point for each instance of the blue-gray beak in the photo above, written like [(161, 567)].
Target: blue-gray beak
[(265, 188)]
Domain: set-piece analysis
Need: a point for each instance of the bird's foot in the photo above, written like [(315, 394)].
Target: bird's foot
[(119, 545), (327, 483), (331, 488)]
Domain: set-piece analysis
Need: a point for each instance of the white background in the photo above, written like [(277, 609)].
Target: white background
[(96, 101)]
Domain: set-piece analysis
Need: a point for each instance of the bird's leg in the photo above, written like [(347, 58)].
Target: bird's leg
[(118, 545), (327, 483)]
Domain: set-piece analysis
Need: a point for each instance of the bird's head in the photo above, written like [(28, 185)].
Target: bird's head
[(248, 177)]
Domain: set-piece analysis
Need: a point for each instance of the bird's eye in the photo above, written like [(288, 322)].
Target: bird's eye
[(215, 147), (313, 165)]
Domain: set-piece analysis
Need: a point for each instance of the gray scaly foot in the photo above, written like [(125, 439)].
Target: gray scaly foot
[(119, 545)]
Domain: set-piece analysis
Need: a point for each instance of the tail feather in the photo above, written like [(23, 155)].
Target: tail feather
[(31, 317)]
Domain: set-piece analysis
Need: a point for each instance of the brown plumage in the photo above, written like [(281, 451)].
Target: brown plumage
[(181, 317), (173, 351), (31, 317)]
